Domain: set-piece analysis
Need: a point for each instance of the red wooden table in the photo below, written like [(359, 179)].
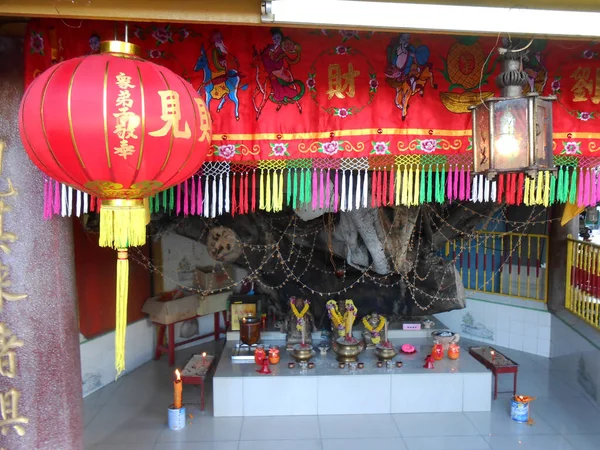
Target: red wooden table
[(195, 372), (171, 344), (498, 364)]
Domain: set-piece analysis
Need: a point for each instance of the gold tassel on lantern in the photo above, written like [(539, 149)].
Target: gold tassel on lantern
[(121, 311), (122, 225)]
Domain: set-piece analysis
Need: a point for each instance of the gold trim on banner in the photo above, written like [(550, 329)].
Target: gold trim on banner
[(312, 148), (447, 145), (412, 146), (348, 147), (245, 150), (593, 147)]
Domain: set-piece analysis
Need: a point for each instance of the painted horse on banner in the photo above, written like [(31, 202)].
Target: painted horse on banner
[(408, 71), (219, 85)]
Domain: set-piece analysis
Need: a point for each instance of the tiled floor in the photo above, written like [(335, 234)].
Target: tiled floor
[(130, 414)]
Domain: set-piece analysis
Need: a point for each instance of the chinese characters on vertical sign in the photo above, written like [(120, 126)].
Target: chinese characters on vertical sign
[(127, 120), (587, 85), (10, 419)]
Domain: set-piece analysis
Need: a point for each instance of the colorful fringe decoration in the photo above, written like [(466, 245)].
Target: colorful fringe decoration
[(218, 190)]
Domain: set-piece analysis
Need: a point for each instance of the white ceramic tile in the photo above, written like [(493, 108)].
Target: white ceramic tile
[(352, 427), (477, 392), (280, 428), (530, 316), (529, 442), (516, 327), (304, 444), (203, 429), (584, 441), (516, 314), (447, 443), (530, 344), (122, 447), (515, 341), (370, 394), (530, 330), (446, 424), (543, 347), (503, 318), (280, 396), (228, 400), (429, 393), (544, 319), (502, 337), (362, 444), (544, 332), (568, 417)]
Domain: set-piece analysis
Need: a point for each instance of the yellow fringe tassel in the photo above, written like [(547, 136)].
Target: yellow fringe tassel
[(417, 191), (526, 199), (121, 313), (261, 191), (122, 223), (540, 189), (532, 192), (410, 187), (398, 184), (280, 201), (268, 193), (546, 188)]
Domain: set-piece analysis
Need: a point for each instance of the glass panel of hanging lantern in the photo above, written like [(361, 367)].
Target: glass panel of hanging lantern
[(543, 133), (510, 135), (481, 138)]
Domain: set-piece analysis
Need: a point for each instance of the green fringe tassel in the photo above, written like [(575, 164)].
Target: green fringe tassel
[(573, 189), (171, 200), (165, 202), (295, 195), (302, 190), (422, 186), (308, 186), (561, 173), (289, 185), (151, 204), (429, 185), (552, 189)]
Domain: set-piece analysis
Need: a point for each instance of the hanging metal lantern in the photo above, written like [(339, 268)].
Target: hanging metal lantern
[(513, 133)]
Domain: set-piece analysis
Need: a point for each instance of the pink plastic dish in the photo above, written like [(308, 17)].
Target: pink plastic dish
[(407, 348)]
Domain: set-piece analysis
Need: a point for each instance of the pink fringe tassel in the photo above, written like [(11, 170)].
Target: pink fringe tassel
[(47, 199), (449, 192), (374, 189), (587, 189), (391, 188), (385, 188), (178, 205), (186, 199), (462, 183), (468, 193), (315, 190), (456, 193), (321, 191), (56, 197), (580, 189)]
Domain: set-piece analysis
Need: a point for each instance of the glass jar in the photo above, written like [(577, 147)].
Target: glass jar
[(438, 351), (259, 354), (453, 351), (274, 356)]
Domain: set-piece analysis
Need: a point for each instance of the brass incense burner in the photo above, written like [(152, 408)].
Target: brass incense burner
[(347, 350), (302, 352), (384, 352)]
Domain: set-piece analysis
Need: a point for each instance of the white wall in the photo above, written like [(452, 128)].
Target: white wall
[(98, 355), (512, 323)]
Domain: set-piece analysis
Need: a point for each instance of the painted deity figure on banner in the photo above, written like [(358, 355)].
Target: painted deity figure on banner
[(274, 78), (408, 70), (222, 79)]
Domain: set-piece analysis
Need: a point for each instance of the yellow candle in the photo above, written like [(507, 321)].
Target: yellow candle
[(178, 386)]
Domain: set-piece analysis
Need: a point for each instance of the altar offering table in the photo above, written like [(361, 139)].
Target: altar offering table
[(195, 372), (165, 314), (453, 386), (498, 363)]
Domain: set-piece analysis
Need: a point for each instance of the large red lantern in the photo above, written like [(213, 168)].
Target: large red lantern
[(121, 129)]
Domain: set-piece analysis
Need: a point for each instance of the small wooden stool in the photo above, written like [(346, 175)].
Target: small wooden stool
[(195, 372)]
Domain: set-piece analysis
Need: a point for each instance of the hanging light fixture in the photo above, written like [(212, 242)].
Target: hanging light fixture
[(513, 132)]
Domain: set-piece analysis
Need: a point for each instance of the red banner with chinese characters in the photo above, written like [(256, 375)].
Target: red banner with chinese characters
[(284, 93)]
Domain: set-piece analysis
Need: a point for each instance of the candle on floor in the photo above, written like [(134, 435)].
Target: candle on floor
[(203, 358), (178, 385)]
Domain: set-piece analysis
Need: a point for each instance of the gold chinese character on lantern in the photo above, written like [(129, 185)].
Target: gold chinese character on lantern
[(205, 122), (341, 84), (127, 121), (9, 413), (124, 81), (8, 356), (171, 115), (585, 85)]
